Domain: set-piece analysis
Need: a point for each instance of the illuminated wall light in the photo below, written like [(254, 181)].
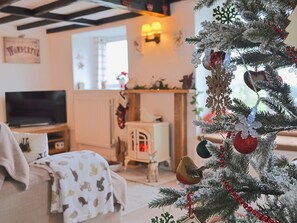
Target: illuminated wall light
[(152, 32)]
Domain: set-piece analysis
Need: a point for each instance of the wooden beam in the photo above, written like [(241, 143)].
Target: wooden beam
[(5, 3), (180, 128), (24, 12), (10, 18), (52, 6), (116, 18), (159, 8), (98, 22), (35, 24), (69, 18), (87, 12), (63, 28)]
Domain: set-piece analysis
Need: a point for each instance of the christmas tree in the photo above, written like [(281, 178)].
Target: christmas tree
[(248, 33)]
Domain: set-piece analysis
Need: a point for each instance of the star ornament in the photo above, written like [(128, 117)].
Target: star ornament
[(247, 128)]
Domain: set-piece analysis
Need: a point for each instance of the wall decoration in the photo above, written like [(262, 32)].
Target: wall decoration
[(138, 45), (178, 38), (21, 50), (80, 61)]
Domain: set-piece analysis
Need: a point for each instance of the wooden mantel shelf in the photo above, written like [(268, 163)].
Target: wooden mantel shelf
[(181, 91), (180, 116)]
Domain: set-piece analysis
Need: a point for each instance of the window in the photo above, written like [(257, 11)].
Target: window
[(112, 60), (244, 93), (98, 57)]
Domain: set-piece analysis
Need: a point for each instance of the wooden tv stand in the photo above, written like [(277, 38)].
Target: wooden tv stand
[(55, 134)]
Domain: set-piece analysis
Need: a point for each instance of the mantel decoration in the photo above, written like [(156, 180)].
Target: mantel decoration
[(21, 50), (123, 79)]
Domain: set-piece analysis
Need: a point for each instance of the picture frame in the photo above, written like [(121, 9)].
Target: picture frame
[(21, 50)]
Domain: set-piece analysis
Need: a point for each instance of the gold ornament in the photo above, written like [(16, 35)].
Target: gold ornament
[(218, 90)]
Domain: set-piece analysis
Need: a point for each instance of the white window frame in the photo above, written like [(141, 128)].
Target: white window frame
[(101, 62)]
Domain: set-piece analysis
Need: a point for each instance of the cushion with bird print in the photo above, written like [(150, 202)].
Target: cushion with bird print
[(33, 145)]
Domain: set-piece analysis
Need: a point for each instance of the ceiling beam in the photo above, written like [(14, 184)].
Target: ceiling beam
[(98, 22), (10, 18), (5, 3), (52, 6), (155, 7), (24, 12), (67, 18)]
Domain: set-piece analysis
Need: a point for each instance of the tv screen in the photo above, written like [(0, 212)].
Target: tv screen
[(28, 108)]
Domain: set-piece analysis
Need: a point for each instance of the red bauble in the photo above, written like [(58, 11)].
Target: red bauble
[(215, 58), (245, 146)]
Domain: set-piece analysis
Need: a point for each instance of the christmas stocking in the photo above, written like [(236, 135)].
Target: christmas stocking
[(121, 111)]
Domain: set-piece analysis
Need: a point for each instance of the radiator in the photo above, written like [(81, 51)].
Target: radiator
[(93, 119)]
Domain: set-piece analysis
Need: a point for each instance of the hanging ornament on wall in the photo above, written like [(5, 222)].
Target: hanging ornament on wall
[(251, 77), (201, 148), (126, 3), (164, 8), (149, 6), (245, 145)]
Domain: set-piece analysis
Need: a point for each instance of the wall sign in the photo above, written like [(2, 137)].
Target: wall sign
[(21, 50)]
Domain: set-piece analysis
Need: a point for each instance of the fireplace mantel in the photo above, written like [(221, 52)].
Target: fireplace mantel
[(180, 116), (176, 91)]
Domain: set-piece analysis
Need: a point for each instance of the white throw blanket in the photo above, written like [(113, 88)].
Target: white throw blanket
[(81, 186), (12, 159)]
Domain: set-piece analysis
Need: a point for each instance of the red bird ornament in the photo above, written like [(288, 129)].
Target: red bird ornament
[(187, 172)]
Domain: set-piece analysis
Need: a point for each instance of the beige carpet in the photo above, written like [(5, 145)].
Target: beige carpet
[(138, 197), (138, 173)]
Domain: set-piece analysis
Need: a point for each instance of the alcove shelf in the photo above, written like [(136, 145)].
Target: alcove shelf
[(180, 116)]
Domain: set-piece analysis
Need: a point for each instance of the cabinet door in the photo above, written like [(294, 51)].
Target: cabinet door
[(144, 145)]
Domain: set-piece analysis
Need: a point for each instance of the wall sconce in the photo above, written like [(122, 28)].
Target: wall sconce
[(152, 32)]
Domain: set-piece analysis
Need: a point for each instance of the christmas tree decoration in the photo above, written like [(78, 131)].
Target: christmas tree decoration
[(228, 188), (225, 14), (245, 145), (192, 219), (202, 151), (291, 29), (247, 126), (187, 172), (210, 61), (218, 90), (250, 77), (240, 200), (196, 55)]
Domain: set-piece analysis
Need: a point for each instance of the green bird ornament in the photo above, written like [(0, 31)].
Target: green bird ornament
[(187, 172)]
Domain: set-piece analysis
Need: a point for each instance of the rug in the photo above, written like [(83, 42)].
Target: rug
[(138, 196), (138, 173)]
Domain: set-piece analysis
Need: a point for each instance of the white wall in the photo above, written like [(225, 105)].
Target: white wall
[(23, 77), (163, 60)]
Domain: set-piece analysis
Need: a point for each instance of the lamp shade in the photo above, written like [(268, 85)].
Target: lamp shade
[(156, 27), (146, 30)]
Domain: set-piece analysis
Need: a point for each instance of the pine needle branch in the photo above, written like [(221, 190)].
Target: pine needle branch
[(167, 197)]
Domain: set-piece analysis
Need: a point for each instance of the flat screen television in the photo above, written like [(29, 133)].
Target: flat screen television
[(29, 108)]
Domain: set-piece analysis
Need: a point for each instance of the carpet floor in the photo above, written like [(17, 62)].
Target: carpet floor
[(138, 173), (140, 193)]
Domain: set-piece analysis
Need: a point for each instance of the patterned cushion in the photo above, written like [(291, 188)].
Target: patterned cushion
[(34, 146)]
